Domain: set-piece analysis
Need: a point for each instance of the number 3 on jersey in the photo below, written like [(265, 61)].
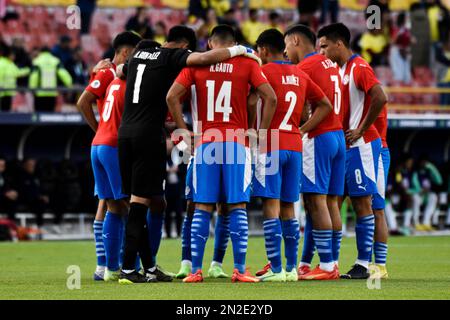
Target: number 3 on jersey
[(221, 103)]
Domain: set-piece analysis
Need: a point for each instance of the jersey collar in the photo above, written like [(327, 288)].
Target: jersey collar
[(353, 57), (281, 62), (310, 55)]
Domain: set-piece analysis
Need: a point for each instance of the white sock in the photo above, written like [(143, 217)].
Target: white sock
[(186, 263), (215, 263), (302, 264), (391, 217), (327, 266), (152, 269), (447, 221), (128, 271), (430, 208), (407, 218), (100, 269), (363, 263)]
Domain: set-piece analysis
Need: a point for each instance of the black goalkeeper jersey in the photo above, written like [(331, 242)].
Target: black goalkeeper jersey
[(150, 74)]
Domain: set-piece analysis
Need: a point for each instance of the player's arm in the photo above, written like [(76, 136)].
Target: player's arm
[(322, 108), (377, 100), (252, 103), (174, 98), (84, 105), (219, 55), (269, 97)]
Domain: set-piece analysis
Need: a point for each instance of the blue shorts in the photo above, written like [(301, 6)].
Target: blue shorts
[(222, 172), (105, 164), (278, 183), (189, 189), (324, 164), (361, 169), (384, 162)]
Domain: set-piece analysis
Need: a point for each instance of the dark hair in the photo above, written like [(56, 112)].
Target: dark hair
[(224, 33), (335, 32), (183, 34), (147, 44), (5, 50), (273, 15), (401, 19), (271, 39), (126, 38), (252, 11), (304, 31)]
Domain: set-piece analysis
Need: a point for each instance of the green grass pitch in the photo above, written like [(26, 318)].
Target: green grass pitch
[(419, 268)]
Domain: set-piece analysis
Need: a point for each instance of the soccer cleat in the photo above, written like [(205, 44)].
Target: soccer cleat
[(194, 277), (99, 275), (135, 277), (319, 274), (217, 272), (271, 276), (303, 270), (243, 277), (185, 270), (421, 227), (428, 227), (292, 275), (378, 271), (160, 274), (356, 272), (111, 275), (263, 270)]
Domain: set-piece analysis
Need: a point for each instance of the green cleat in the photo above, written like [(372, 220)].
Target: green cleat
[(292, 275), (185, 270), (111, 275), (271, 276), (216, 271)]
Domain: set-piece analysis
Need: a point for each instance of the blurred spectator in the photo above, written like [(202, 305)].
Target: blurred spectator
[(374, 47), (420, 30), (204, 31), (63, 51), (229, 18), (442, 69), (9, 73), (87, 8), (197, 9), (400, 52), (275, 21), (160, 32), (429, 180), (220, 6), (140, 24), (21, 58), (47, 70), (306, 10), (447, 175), (68, 192), (173, 193), (330, 7), (79, 69), (30, 191), (8, 192), (252, 27)]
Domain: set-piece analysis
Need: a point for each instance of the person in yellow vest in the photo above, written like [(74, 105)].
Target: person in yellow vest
[(374, 47), (220, 6), (252, 28), (47, 70), (9, 73)]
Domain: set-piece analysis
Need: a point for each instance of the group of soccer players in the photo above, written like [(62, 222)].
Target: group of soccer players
[(313, 124)]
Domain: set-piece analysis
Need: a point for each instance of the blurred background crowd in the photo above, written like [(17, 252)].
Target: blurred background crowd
[(45, 64)]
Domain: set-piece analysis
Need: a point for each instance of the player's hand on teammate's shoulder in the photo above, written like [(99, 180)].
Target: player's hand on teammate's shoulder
[(102, 64), (248, 52)]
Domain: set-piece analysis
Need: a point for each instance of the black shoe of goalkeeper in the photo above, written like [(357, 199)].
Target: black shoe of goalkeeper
[(159, 274), (357, 272), (135, 277)]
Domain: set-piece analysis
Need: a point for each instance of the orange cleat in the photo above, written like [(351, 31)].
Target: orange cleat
[(303, 270), (194, 277), (319, 274), (243, 277), (264, 270)]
